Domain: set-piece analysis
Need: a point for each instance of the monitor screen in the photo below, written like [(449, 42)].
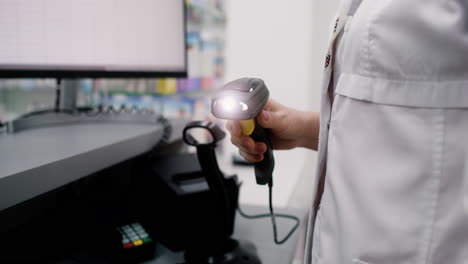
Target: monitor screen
[(92, 38)]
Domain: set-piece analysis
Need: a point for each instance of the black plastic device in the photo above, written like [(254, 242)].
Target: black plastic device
[(243, 99), (196, 202)]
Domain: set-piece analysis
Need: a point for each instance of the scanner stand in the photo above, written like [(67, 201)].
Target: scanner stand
[(222, 249)]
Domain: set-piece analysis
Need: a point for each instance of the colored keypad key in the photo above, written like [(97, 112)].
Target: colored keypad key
[(134, 235)]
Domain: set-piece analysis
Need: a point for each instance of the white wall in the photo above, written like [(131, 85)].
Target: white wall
[(281, 42)]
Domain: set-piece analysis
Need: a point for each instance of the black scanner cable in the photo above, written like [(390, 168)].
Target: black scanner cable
[(273, 217)]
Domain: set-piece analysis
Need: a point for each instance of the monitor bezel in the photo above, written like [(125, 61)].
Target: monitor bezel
[(76, 73)]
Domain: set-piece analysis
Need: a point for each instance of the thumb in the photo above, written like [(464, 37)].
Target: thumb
[(266, 119)]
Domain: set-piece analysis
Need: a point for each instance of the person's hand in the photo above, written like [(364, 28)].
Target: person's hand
[(289, 127)]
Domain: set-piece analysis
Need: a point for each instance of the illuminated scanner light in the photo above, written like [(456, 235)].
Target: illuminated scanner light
[(228, 104)]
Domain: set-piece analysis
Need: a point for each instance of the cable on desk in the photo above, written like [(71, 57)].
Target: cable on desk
[(161, 120), (273, 217), (167, 132)]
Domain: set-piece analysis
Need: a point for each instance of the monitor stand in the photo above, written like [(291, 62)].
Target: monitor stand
[(68, 94), (65, 102)]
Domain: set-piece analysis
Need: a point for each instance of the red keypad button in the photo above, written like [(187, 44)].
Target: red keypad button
[(128, 245)]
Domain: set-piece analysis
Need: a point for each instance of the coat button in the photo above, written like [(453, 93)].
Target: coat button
[(327, 60), (336, 25)]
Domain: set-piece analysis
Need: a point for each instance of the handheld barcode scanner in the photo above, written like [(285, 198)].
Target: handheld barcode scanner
[(243, 100)]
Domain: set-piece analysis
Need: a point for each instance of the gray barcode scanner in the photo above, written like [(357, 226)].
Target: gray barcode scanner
[(243, 100)]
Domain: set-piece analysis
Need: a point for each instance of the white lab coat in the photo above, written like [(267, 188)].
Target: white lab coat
[(394, 154)]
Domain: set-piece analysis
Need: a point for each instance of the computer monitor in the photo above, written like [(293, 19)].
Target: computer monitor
[(92, 38)]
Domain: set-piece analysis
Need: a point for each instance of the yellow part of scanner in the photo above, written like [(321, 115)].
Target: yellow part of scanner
[(247, 126)]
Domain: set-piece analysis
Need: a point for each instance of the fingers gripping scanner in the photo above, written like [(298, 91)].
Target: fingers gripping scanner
[(243, 100)]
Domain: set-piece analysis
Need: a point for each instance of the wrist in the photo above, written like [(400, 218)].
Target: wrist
[(310, 130)]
